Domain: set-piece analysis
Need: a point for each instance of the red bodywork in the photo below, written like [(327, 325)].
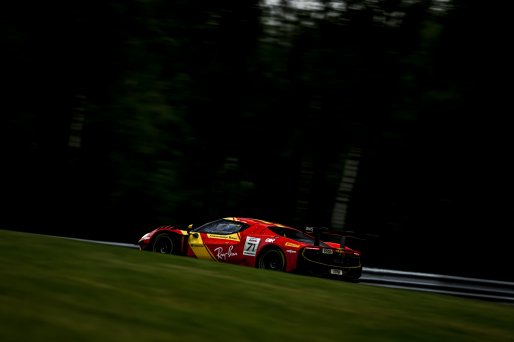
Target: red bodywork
[(241, 241)]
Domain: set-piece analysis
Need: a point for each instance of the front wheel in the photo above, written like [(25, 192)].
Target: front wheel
[(163, 244), (272, 259)]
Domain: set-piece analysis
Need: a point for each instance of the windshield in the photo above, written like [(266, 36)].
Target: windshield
[(294, 234)]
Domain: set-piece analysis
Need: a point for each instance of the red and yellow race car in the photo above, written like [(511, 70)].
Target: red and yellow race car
[(257, 243)]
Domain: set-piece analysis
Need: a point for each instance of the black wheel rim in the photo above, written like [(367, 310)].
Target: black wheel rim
[(163, 245), (272, 260)]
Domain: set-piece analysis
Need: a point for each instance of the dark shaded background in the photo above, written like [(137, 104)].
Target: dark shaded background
[(118, 116)]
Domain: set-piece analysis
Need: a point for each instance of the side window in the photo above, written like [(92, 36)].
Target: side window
[(221, 227), (206, 227), (235, 227), (217, 228)]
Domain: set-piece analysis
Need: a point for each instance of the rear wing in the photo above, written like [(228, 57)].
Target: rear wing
[(344, 238)]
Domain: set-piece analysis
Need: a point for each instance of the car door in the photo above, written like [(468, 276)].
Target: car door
[(219, 241)]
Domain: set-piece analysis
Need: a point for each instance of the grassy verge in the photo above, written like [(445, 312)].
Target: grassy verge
[(54, 289)]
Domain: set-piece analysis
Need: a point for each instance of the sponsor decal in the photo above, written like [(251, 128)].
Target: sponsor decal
[(221, 255), (269, 240), (290, 251), (328, 251), (289, 244), (251, 245), (232, 237)]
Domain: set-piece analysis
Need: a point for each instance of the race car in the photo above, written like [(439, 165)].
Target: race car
[(258, 243)]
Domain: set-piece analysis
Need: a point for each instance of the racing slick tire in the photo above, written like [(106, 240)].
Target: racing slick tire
[(164, 244), (271, 259)]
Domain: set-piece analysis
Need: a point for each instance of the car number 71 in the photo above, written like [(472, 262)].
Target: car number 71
[(251, 246)]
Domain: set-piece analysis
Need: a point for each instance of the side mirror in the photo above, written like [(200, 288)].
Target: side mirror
[(190, 227)]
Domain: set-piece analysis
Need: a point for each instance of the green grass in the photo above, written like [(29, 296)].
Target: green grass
[(54, 289)]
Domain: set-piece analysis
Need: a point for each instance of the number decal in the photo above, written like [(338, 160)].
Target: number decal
[(251, 246)]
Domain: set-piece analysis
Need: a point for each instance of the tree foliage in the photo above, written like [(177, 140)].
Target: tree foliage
[(122, 115)]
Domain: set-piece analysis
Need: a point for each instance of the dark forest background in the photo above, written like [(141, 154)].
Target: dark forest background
[(382, 117)]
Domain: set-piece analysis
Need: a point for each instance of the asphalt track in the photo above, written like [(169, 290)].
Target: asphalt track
[(483, 289)]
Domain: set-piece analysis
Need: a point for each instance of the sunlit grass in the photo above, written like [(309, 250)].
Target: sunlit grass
[(54, 289)]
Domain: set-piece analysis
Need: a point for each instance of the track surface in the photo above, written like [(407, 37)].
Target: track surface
[(491, 290)]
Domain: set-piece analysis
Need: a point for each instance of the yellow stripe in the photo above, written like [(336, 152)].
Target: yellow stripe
[(199, 248), (231, 237)]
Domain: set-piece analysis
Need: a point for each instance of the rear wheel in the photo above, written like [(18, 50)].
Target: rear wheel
[(272, 259), (163, 243)]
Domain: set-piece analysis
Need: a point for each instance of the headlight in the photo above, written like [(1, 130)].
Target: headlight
[(145, 237)]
